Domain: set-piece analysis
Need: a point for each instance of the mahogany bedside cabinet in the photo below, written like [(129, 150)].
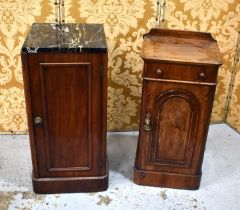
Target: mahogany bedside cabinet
[(65, 82), (179, 81)]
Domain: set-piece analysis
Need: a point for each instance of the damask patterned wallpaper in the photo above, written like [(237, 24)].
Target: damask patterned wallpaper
[(233, 116), (125, 23)]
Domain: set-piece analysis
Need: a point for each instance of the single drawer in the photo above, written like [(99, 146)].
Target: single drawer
[(193, 73)]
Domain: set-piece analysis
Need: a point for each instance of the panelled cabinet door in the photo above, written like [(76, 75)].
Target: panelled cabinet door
[(175, 115), (171, 115), (67, 113)]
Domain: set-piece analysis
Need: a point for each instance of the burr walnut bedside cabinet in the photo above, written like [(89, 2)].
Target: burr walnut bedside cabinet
[(65, 81), (179, 81)]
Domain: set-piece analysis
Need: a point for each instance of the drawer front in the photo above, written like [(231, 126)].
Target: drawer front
[(181, 72)]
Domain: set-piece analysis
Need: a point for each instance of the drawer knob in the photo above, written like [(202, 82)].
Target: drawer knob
[(147, 126), (38, 121), (202, 76), (159, 72)]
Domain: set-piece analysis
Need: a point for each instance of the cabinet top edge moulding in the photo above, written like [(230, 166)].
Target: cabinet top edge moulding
[(178, 46), (69, 38)]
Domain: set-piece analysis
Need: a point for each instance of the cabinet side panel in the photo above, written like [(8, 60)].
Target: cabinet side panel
[(66, 92), (28, 99)]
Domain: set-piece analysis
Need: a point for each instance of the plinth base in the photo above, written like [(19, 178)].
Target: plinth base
[(69, 184), (168, 180)]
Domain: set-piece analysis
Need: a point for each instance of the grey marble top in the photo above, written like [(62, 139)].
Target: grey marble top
[(71, 37)]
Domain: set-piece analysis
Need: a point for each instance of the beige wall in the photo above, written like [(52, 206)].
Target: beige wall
[(125, 23)]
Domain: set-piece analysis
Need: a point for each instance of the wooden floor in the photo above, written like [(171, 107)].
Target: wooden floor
[(219, 187)]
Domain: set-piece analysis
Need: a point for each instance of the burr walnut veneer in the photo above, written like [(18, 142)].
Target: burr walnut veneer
[(65, 80), (179, 81)]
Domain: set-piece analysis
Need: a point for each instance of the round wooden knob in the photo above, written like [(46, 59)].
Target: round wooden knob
[(159, 72), (202, 76)]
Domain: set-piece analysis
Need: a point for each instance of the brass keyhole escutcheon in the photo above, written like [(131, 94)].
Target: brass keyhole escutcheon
[(38, 121), (148, 125)]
